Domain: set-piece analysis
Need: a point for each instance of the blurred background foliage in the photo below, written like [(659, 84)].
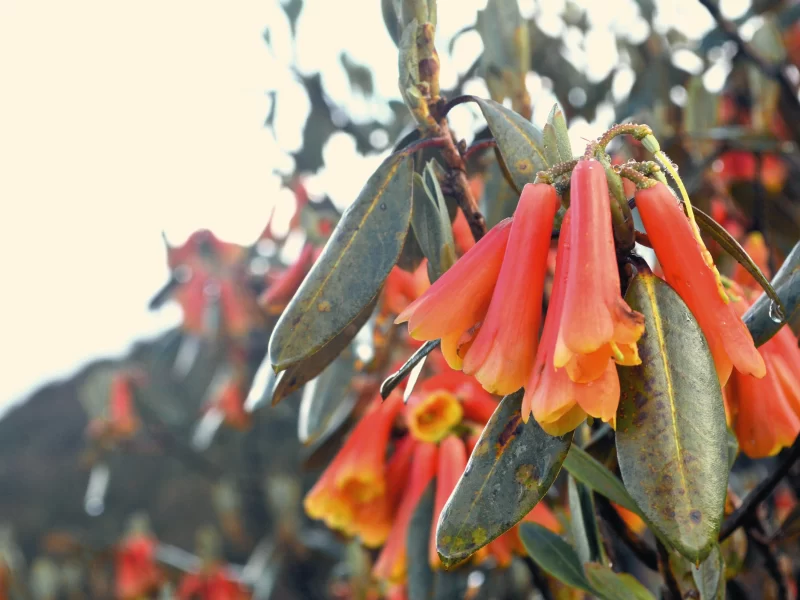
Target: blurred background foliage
[(163, 436)]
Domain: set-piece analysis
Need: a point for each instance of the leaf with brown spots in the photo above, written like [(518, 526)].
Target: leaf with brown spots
[(519, 141), (352, 267), (671, 433), (510, 470)]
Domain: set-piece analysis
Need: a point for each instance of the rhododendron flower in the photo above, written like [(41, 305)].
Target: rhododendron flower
[(137, 575), (766, 412), (214, 583), (596, 323), (402, 287), (686, 271), (355, 482), (502, 352), (457, 301), (452, 462), (487, 307), (121, 412), (558, 403), (391, 564), (443, 401)]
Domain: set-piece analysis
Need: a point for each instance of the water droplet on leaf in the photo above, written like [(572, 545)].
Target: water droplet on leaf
[(775, 312)]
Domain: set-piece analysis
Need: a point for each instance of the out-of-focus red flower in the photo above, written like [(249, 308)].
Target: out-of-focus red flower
[(740, 165), (757, 249), (214, 583), (137, 575), (462, 234), (283, 287), (402, 287), (687, 272)]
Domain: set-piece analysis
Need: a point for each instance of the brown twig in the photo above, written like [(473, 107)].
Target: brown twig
[(635, 544), (760, 493), (478, 147), (459, 185), (673, 591)]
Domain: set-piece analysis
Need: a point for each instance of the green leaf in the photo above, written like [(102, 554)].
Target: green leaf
[(272, 388), (554, 555), (550, 144), (352, 268), (510, 470), (732, 247), (671, 432), (709, 578), (450, 584), (591, 473), (431, 223), (583, 522), (420, 574), (761, 318), (519, 141), (499, 198), (324, 396), (559, 123), (611, 586), (704, 582)]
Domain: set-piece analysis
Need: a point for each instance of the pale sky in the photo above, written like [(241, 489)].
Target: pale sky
[(120, 120)]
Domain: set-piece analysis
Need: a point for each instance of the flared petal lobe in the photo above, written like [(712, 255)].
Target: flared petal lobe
[(503, 352), (459, 299), (558, 403), (686, 271)]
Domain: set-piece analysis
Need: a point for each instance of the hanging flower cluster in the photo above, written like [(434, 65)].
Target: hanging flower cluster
[(487, 308), (396, 451)]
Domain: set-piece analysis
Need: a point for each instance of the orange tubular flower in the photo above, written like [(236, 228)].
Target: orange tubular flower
[(431, 416), (391, 564), (452, 462), (559, 404), (503, 351), (459, 299), (354, 484), (685, 270), (596, 323), (121, 411), (766, 412)]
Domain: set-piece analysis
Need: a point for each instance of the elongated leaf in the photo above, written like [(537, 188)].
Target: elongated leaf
[(671, 434), (559, 123), (591, 473), (351, 269), (519, 141), (554, 555), (611, 586), (271, 388), (760, 318), (420, 574), (323, 396), (732, 247), (431, 223), (583, 522), (709, 578), (550, 144), (510, 470)]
